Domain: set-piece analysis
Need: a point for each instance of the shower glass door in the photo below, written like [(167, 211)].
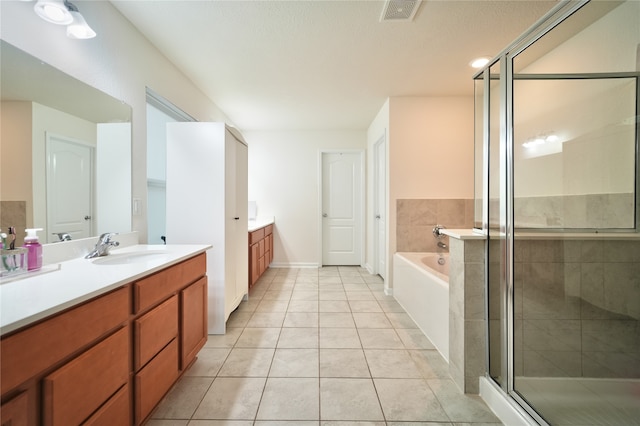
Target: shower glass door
[(561, 127)]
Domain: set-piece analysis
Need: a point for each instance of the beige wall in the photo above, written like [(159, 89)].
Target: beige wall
[(15, 160), (430, 152)]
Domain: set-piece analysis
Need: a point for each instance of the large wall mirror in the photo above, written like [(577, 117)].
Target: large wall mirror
[(65, 152)]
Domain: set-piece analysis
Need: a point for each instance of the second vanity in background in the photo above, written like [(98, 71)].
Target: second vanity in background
[(260, 248)]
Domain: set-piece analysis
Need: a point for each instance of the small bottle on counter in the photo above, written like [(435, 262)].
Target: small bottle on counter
[(34, 247)]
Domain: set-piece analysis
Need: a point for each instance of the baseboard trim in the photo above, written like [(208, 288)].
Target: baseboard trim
[(301, 265)]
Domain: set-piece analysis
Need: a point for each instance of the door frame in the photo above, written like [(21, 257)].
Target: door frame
[(379, 205), (360, 152)]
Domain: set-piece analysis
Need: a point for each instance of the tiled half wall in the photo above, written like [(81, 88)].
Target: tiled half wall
[(576, 308)]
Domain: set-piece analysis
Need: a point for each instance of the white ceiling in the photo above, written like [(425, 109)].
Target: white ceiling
[(325, 64)]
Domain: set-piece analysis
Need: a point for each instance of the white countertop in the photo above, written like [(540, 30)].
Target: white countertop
[(26, 300), (260, 222)]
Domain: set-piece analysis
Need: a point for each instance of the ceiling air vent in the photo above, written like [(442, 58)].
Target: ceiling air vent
[(399, 10)]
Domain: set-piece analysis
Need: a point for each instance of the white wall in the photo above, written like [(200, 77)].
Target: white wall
[(283, 180), (119, 61)]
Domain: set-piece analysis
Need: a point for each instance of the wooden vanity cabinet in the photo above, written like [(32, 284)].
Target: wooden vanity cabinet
[(110, 360), (260, 252)]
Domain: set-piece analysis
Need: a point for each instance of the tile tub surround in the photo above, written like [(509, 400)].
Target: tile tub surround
[(467, 324), (415, 219), (14, 213), (577, 307), (319, 347)]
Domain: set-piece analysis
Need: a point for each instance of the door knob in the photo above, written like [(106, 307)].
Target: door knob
[(324, 215)]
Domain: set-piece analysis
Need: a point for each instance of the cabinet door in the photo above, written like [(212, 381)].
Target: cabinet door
[(74, 391), (15, 411), (194, 321), (240, 238), (255, 272)]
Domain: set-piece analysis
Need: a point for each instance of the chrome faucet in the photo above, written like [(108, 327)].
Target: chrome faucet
[(437, 231), (63, 236), (103, 245)]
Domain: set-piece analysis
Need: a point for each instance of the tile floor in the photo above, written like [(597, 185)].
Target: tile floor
[(322, 347)]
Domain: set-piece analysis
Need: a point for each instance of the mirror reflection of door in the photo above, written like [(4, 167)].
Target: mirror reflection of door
[(69, 187)]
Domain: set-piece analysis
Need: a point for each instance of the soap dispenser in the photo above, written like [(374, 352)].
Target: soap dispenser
[(34, 247)]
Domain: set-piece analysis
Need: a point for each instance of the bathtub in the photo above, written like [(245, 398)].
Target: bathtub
[(421, 286)]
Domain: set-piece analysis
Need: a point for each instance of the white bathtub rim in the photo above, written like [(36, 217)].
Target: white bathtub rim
[(415, 259)]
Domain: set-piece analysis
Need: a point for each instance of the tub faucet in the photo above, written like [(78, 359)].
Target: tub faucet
[(437, 231), (103, 245)]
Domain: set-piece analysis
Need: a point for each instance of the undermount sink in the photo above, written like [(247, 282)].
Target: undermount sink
[(128, 258)]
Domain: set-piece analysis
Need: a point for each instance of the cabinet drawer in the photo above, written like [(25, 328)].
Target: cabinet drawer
[(15, 412), (159, 286), (31, 351), (256, 236), (154, 330), (74, 391), (155, 379), (116, 411), (268, 230)]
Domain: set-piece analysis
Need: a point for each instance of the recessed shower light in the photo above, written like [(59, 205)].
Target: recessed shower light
[(480, 62)]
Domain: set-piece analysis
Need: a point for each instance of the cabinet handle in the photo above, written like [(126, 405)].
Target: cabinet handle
[(324, 215), (236, 218)]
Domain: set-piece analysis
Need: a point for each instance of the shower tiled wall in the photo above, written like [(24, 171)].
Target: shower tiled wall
[(577, 308), (597, 211), (415, 219)]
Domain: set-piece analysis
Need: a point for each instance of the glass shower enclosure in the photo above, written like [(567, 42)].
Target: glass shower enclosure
[(556, 193)]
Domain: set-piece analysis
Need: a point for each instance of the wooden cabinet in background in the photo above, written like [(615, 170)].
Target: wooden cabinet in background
[(260, 252)]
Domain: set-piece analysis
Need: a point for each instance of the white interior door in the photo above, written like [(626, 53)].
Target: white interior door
[(69, 187), (380, 196), (341, 208)]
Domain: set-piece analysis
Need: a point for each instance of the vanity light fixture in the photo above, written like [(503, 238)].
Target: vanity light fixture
[(541, 140), (54, 11), (63, 12), (78, 29)]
